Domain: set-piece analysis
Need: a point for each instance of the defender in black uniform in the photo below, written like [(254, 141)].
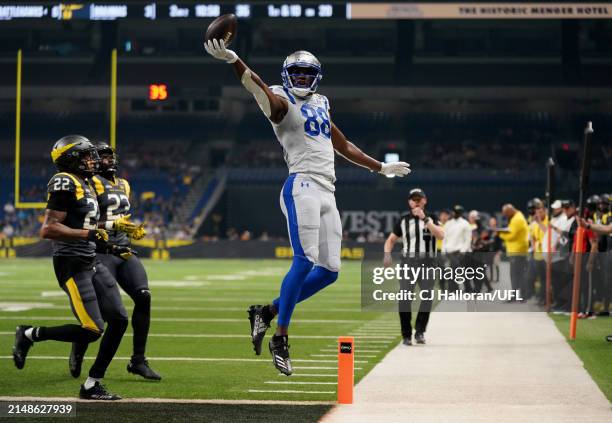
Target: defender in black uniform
[(113, 195), (71, 221)]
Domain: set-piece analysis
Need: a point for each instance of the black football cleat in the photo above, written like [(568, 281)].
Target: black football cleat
[(407, 341), (279, 348), (419, 338), (259, 326), (21, 347), (141, 368), (97, 392), (75, 361)]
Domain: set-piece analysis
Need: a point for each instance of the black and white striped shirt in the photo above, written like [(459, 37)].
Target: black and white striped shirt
[(416, 238)]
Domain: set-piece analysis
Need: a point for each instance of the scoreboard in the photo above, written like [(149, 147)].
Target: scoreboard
[(156, 10), (306, 10)]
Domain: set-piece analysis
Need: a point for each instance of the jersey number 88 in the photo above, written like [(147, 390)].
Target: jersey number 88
[(312, 126)]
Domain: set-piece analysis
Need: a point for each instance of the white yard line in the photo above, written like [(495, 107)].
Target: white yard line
[(336, 355), (172, 401), (279, 382), (50, 306), (226, 335), (246, 360), (311, 375), (279, 391), (321, 368), (185, 319)]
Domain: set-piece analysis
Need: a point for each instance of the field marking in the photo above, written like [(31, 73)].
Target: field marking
[(19, 306), (185, 319), (172, 400), (216, 299), (336, 355), (248, 360), (310, 375), (225, 335), (129, 306), (322, 368), (278, 391), (179, 284), (279, 382)]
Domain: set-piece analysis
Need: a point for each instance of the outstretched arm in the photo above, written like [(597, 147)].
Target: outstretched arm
[(274, 107), (352, 153)]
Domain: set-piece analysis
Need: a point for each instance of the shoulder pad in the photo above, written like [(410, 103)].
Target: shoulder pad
[(126, 186), (281, 91), (278, 90), (98, 184), (324, 100)]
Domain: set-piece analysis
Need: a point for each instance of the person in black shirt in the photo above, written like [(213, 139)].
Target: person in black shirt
[(418, 233), (113, 195), (71, 222)]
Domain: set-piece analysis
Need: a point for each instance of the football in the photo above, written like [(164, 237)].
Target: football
[(223, 28)]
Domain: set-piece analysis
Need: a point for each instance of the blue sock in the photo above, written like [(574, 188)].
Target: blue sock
[(318, 278), (291, 287)]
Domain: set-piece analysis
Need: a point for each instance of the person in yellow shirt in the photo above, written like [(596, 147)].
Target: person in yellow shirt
[(537, 233), (515, 236)]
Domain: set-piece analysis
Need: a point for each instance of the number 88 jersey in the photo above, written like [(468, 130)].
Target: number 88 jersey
[(114, 200), (76, 197), (305, 134)]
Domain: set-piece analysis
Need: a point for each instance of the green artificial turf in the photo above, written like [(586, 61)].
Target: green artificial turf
[(218, 292), (591, 346)]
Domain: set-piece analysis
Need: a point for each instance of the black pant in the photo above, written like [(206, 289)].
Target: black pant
[(132, 277), (94, 298), (562, 284), (405, 308), (540, 271), (518, 269)]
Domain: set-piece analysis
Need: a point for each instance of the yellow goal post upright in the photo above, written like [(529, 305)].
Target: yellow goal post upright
[(113, 127), (18, 203)]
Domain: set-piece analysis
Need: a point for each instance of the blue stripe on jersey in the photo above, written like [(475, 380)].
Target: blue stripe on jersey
[(292, 216), (291, 99)]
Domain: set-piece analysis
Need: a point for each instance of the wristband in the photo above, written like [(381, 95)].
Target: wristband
[(108, 225)]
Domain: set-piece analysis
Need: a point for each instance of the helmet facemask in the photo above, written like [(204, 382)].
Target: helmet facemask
[(89, 162), (301, 73), (108, 161)]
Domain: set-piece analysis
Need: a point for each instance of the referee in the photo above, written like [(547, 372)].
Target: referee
[(418, 233)]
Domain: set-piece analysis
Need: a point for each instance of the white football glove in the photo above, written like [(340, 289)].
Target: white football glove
[(395, 169), (216, 48)]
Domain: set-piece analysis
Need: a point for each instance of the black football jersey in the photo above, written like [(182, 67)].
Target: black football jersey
[(74, 195), (114, 201)]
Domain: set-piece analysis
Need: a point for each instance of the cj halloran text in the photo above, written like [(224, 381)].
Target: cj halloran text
[(414, 274)]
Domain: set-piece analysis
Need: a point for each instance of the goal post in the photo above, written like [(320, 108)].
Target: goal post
[(113, 127)]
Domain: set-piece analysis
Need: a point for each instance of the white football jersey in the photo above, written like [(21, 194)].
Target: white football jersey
[(305, 134)]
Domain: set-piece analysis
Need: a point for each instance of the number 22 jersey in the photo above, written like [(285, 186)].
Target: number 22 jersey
[(114, 200), (305, 134), (75, 196)]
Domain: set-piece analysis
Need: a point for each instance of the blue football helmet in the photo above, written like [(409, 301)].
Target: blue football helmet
[(301, 73)]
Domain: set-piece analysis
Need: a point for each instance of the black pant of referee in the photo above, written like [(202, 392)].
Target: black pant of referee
[(406, 307)]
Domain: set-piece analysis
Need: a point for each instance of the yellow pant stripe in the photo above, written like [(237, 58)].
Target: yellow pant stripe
[(77, 303)]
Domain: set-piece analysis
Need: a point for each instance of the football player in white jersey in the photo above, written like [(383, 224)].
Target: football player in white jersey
[(301, 121)]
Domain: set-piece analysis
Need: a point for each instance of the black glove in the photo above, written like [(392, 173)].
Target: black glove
[(120, 251), (97, 235)]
